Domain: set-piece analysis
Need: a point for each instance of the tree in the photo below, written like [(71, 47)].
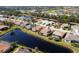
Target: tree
[(8, 23), (11, 12)]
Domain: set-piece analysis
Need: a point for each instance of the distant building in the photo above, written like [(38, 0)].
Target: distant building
[(25, 17), (36, 19)]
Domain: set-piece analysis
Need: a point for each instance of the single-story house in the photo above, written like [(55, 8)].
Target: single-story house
[(1, 15), (12, 17), (3, 19), (52, 28), (70, 37), (28, 26), (75, 29), (23, 24), (6, 16), (45, 31), (72, 23), (37, 28), (17, 23), (4, 47), (36, 20), (65, 26), (59, 34), (43, 23), (3, 27), (57, 25)]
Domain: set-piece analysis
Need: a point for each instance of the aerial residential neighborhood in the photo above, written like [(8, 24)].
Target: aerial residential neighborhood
[(39, 29)]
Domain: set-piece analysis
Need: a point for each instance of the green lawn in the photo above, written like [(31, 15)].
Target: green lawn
[(51, 11)]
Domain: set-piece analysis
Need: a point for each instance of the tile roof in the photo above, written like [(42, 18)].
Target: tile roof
[(36, 28), (71, 37), (45, 30), (59, 33), (4, 46), (3, 26), (75, 27)]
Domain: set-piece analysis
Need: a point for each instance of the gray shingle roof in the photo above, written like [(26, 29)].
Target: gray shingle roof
[(72, 37)]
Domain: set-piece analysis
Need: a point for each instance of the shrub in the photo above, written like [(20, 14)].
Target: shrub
[(75, 44), (50, 37)]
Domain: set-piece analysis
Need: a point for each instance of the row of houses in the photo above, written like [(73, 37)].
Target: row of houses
[(6, 17), (47, 31), (42, 27), (43, 30), (68, 36), (72, 36)]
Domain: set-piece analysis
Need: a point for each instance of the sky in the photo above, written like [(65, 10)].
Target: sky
[(39, 2)]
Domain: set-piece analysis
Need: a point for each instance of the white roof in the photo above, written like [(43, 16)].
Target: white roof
[(2, 19), (75, 27), (43, 23)]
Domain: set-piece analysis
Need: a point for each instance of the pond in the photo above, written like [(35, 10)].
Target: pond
[(31, 41)]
